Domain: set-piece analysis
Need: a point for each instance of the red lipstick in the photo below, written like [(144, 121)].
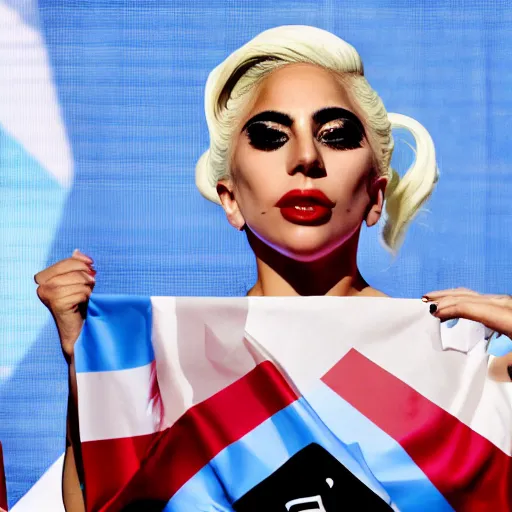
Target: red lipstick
[(306, 207)]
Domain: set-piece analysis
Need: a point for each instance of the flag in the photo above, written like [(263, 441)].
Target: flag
[(275, 404), (3, 490)]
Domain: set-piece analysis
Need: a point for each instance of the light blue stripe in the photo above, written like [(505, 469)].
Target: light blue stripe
[(500, 346), (246, 463), (367, 451), (203, 492), (409, 488), (30, 212), (116, 334)]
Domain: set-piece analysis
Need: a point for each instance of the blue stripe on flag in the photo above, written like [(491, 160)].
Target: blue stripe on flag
[(263, 451), (376, 459), (409, 488), (122, 326), (499, 346)]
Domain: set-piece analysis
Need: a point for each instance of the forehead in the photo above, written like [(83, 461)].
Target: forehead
[(300, 87)]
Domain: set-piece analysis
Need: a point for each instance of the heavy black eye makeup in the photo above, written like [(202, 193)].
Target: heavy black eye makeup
[(337, 128), (265, 132), (341, 134), (265, 136)]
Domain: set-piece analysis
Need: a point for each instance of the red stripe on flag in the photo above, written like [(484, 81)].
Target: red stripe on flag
[(3, 488), (126, 468), (110, 464), (471, 472)]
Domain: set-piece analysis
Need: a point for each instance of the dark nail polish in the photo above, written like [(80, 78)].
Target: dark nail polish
[(509, 370), (433, 308)]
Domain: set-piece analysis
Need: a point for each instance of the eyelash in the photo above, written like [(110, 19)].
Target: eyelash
[(270, 139), (348, 138), (265, 137)]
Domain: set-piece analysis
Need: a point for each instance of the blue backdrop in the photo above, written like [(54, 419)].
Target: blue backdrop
[(101, 123)]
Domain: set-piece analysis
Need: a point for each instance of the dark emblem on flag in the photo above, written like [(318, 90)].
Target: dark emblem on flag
[(145, 506), (311, 481)]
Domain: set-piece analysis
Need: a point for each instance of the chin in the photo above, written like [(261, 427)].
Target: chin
[(307, 248), (306, 254), (305, 244)]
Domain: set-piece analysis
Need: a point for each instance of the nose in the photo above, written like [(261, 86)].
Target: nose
[(307, 158)]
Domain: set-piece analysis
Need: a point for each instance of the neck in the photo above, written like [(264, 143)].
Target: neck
[(335, 274)]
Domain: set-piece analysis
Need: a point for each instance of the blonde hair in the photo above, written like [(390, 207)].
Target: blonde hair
[(227, 91)]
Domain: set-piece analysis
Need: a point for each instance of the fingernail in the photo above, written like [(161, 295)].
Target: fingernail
[(509, 371), (79, 252), (92, 272), (433, 308), (90, 278)]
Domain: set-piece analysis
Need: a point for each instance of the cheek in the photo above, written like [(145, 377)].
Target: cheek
[(349, 173), (258, 177)]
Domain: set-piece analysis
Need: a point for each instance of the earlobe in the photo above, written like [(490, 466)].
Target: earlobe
[(377, 201), (230, 204)]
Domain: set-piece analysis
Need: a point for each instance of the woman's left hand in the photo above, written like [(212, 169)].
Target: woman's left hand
[(494, 311)]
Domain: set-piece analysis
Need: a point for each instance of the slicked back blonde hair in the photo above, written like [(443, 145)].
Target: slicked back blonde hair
[(229, 87)]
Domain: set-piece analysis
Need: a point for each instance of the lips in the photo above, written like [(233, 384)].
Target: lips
[(306, 207)]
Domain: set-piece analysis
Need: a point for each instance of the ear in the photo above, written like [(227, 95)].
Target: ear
[(376, 191), (229, 203)]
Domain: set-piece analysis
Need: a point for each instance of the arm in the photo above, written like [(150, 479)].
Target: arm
[(72, 474), (65, 288)]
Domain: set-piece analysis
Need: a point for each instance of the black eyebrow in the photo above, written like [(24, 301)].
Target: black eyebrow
[(328, 114), (270, 115)]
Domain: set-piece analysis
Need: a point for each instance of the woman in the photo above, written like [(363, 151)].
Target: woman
[(299, 158)]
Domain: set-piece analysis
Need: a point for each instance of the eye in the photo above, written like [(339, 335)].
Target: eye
[(264, 137), (341, 134)]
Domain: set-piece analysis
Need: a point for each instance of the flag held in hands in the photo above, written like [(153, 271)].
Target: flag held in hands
[(288, 404)]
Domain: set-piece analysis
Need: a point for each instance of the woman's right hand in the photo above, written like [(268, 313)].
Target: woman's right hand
[(64, 288)]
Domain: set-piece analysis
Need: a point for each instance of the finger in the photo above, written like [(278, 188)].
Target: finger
[(74, 277), (500, 300), (454, 300), (487, 312), (62, 267), (79, 255), (74, 297), (56, 298), (456, 292)]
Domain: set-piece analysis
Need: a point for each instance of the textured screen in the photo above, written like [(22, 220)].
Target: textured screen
[(101, 123)]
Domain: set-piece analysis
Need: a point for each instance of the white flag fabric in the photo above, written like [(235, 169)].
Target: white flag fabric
[(288, 404)]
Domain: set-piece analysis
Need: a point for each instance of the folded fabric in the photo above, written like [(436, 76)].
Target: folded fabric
[(288, 404)]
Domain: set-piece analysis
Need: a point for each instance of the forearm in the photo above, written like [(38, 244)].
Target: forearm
[(72, 473), (501, 368)]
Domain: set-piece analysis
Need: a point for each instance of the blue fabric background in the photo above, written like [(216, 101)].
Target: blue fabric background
[(130, 78)]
